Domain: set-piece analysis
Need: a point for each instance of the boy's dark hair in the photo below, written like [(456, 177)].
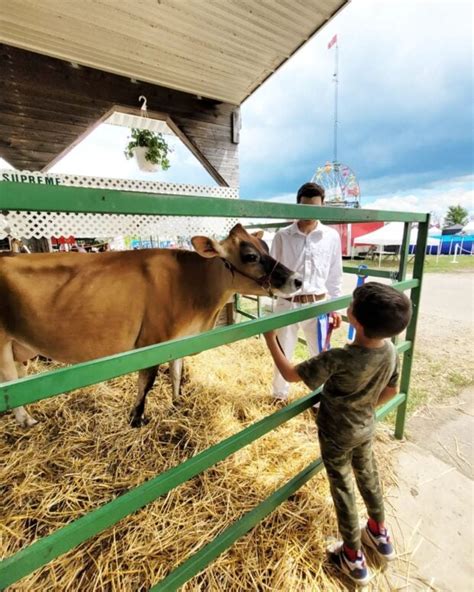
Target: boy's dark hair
[(381, 310), (310, 190)]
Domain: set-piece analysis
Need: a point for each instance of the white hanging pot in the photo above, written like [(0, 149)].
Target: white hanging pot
[(144, 164)]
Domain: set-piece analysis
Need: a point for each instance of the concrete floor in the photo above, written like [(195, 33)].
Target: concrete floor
[(430, 512)]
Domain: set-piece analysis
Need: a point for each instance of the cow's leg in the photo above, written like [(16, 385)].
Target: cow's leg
[(9, 370), (21, 415), (146, 378), (176, 373)]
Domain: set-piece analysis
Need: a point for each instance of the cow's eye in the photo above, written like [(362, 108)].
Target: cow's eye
[(250, 258)]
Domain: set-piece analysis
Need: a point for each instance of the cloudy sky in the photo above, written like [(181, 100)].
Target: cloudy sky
[(405, 107), (405, 111)]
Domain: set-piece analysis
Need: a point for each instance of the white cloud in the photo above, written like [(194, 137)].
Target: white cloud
[(432, 197)]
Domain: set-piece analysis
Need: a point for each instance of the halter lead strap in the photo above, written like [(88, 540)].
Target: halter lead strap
[(264, 281)]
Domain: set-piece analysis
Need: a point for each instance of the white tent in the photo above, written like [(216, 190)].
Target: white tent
[(434, 231), (469, 228), (391, 235)]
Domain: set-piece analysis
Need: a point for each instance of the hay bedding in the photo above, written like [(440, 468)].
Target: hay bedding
[(83, 454)]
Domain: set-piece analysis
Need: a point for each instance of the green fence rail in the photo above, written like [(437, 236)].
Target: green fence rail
[(17, 196), (47, 198)]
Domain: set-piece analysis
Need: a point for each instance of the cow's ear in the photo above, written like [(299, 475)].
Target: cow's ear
[(258, 234), (237, 229), (207, 247)]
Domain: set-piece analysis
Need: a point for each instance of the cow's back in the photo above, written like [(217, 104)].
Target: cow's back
[(74, 306)]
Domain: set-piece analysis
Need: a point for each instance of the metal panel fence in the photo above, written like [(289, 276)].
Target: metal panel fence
[(17, 197)]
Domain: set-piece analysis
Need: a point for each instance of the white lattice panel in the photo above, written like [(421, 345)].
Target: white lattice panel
[(41, 224), (47, 224)]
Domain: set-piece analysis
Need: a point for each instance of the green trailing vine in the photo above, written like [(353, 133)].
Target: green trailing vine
[(158, 149)]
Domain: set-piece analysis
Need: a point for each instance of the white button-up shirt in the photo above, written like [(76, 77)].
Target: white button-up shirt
[(315, 256)]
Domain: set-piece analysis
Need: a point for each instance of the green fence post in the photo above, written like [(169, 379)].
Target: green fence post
[(404, 252), (421, 243), (259, 307)]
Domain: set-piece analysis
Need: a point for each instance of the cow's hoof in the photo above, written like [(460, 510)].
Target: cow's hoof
[(138, 422)]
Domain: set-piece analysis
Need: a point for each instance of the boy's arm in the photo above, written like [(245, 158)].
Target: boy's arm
[(388, 393), (286, 368)]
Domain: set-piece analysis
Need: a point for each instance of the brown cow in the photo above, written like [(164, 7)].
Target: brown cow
[(74, 307)]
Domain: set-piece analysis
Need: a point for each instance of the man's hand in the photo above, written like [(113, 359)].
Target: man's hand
[(336, 320)]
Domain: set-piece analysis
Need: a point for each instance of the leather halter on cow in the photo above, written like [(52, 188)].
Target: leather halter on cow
[(74, 307)]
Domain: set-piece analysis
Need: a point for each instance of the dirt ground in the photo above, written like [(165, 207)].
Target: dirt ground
[(446, 315), (445, 338)]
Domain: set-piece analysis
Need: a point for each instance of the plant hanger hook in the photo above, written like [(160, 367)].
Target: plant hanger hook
[(143, 107)]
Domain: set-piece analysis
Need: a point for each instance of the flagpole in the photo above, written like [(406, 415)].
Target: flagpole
[(336, 85)]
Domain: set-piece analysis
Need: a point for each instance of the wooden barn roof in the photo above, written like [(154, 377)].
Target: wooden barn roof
[(220, 49), (67, 66)]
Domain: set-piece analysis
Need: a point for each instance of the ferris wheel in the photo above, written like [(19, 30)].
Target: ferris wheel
[(340, 184)]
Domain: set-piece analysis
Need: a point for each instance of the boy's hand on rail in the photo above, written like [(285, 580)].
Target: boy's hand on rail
[(286, 368)]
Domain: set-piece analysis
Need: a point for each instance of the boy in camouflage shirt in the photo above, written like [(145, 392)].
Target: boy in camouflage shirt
[(357, 378)]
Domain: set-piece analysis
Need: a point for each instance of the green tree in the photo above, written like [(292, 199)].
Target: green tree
[(456, 215)]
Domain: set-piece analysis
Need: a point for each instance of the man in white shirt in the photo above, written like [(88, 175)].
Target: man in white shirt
[(314, 251)]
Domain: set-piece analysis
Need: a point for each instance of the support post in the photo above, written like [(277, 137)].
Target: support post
[(411, 330), (455, 253)]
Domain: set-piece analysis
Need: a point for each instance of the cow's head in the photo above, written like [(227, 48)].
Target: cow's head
[(247, 255)]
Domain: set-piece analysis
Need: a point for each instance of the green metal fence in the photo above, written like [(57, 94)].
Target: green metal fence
[(16, 196)]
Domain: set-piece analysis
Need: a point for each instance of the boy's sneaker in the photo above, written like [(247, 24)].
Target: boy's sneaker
[(356, 570), (380, 543)]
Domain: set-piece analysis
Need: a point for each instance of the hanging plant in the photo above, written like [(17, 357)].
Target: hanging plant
[(149, 149)]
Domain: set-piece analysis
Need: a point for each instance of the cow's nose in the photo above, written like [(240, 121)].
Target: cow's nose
[(298, 283)]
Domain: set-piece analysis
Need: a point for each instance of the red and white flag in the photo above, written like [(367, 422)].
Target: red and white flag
[(332, 42)]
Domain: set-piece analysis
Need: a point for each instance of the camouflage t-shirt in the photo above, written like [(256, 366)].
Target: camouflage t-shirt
[(353, 378)]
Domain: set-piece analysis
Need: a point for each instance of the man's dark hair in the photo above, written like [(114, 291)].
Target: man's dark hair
[(310, 190), (381, 310)]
